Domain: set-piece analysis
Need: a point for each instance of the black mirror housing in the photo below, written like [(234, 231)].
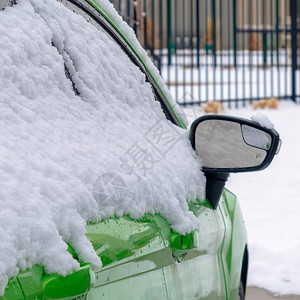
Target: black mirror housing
[(231, 145)]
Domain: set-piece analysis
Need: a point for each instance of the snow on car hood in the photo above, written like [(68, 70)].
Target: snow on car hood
[(77, 152)]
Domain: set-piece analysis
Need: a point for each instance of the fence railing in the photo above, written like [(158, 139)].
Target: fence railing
[(221, 50)]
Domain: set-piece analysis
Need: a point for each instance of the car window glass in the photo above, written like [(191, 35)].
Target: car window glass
[(91, 19)]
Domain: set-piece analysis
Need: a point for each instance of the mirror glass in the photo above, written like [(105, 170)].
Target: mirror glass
[(256, 138), (227, 144)]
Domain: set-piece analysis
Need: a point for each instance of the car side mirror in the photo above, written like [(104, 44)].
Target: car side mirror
[(230, 144)]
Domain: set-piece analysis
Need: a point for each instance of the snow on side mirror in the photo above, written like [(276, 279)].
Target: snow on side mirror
[(230, 144)]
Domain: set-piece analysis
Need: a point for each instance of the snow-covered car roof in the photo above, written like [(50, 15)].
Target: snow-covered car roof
[(76, 113)]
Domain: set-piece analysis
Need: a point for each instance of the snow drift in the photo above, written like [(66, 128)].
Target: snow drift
[(59, 138)]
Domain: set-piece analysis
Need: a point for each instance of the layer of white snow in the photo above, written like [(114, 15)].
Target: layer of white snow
[(270, 204), (55, 145)]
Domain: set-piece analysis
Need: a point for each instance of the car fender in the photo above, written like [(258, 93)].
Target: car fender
[(235, 243)]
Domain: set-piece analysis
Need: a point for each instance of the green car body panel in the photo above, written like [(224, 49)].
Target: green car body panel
[(145, 259)]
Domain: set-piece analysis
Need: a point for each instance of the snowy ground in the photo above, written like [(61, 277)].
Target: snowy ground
[(270, 205)]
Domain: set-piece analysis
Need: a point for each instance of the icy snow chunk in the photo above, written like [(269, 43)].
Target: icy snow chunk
[(77, 115), (263, 120)]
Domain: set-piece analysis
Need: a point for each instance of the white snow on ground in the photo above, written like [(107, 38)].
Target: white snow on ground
[(270, 201), (55, 145)]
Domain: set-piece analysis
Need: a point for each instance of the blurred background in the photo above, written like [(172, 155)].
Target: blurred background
[(232, 51)]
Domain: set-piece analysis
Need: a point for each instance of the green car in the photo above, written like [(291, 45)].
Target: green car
[(145, 258)]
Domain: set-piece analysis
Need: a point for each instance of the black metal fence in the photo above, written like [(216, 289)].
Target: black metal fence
[(221, 50)]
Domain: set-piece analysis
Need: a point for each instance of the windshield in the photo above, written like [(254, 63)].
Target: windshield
[(95, 18)]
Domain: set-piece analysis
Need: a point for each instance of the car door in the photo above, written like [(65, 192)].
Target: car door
[(196, 271), (142, 261), (133, 254)]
